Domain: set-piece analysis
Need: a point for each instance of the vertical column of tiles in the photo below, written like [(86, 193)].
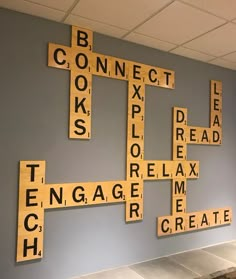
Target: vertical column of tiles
[(179, 183), (81, 83), (135, 149), (216, 112), (30, 211)]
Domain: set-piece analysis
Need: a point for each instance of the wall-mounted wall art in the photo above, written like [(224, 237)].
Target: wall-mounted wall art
[(35, 195)]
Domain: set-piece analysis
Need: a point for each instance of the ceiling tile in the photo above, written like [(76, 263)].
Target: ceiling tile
[(61, 5), (32, 9), (95, 26), (148, 41), (222, 8), (217, 42), (230, 57), (192, 54), (179, 23), (124, 14), (223, 63)]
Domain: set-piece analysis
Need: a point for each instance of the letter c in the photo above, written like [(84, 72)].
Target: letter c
[(26, 222), (162, 226)]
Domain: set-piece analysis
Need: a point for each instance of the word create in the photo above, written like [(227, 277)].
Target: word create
[(194, 220), (35, 196)]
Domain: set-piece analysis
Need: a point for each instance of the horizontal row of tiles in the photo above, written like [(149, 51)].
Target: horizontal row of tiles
[(187, 265)]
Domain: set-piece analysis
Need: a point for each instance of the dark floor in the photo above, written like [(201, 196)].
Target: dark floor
[(185, 265)]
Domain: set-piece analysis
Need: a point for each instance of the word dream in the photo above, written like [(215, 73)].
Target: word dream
[(35, 196)]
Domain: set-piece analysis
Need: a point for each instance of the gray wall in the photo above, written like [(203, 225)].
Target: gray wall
[(34, 126)]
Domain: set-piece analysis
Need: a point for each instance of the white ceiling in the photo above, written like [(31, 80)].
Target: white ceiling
[(199, 29)]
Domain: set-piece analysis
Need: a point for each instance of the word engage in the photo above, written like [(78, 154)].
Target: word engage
[(35, 195)]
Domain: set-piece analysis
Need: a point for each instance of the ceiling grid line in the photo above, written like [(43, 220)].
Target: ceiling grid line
[(70, 10), (42, 5), (201, 52), (147, 19), (203, 34), (203, 30), (205, 11)]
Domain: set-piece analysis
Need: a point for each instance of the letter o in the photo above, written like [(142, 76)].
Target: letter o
[(84, 83), (78, 61), (135, 153)]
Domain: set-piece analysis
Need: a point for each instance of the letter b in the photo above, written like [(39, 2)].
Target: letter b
[(82, 38)]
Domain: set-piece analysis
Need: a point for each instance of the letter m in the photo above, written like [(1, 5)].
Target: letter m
[(179, 187)]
